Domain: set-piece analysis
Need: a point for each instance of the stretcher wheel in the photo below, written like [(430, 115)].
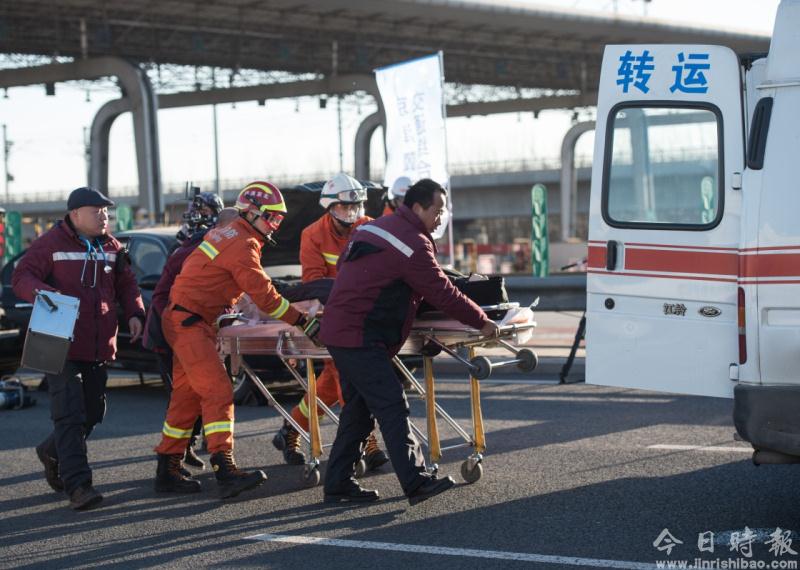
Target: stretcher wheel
[(360, 468), (481, 367), (471, 475), (311, 477), (530, 360), (430, 349)]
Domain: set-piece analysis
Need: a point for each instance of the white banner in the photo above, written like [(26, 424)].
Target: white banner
[(416, 145)]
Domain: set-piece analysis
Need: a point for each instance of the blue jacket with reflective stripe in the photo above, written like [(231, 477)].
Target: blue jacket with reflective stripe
[(388, 267)]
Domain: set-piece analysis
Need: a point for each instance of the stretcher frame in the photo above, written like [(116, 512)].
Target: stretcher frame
[(426, 340)]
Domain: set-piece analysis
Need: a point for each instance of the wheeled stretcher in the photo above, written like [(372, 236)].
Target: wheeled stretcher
[(431, 335)]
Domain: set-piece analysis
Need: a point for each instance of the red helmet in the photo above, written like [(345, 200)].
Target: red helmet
[(264, 199)]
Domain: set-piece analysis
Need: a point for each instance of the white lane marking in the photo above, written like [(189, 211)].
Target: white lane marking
[(446, 551), (700, 448)]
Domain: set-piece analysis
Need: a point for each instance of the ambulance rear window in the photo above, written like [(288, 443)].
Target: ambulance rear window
[(663, 165)]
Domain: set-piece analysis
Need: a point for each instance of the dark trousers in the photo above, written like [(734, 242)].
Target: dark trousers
[(77, 404), (165, 369), (372, 391)]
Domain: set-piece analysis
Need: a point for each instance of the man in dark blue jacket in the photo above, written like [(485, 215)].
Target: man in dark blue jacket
[(78, 257), (388, 267)]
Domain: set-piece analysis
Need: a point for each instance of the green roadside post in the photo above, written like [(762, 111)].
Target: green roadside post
[(124, 218), (13, 235), (540, 250)]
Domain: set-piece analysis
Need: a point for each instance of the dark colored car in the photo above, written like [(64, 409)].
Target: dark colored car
[(14, 316), (149, 249)]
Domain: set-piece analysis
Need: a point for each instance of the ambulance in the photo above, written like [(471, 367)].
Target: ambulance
[(694, 230)]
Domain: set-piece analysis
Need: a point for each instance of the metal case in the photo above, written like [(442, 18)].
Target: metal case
[(50, 332)]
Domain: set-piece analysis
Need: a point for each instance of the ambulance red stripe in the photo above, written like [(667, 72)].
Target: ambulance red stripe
[(681, 262), (666, 263)]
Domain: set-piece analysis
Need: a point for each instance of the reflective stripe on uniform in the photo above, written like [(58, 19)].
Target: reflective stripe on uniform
[(392, 240), (81, 256), (330, 258), (281, 310), (208, 249), (176, 433), (218, 427), (303, 408)]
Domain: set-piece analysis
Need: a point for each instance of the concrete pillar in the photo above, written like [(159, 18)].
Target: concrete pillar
[(569, 183), (364, 134), (141, 101)]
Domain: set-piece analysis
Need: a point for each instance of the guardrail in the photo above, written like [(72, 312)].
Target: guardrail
[(561, 292)]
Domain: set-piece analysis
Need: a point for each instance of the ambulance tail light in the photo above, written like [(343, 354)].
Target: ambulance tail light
[(741, 324)]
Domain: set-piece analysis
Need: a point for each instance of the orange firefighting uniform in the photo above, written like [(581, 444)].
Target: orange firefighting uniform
[(226, 264), (320, 246)]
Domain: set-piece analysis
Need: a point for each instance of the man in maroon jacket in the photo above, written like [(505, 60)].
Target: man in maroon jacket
[(78, 257), (388, 267)]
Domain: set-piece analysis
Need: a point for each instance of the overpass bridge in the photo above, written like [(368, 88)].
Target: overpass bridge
[(532, 58), (477, 189)]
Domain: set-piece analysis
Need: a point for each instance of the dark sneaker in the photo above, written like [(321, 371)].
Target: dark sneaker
[(171, 477), (374, 456), (231, 479), (351, 492), (430, 488), (287, 440), (84, 498), (50, 470)]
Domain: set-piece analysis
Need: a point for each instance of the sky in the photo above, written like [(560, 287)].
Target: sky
[(293, 138)]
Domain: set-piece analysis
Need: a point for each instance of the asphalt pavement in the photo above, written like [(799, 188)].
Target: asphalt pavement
[(574, 476)]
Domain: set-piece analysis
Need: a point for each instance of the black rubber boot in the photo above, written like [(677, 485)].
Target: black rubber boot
[(171, 479), (232, 480), (374, 456), (288, 440), (191, 458)]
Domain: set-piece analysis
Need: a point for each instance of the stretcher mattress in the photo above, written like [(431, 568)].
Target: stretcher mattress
[(273, 337)]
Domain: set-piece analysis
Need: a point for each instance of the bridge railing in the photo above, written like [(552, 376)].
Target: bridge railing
[(174, 190)]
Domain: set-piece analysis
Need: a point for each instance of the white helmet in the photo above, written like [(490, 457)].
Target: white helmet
[(342, 189), (399, 188)]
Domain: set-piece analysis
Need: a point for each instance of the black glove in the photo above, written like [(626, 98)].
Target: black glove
[(309, 327)]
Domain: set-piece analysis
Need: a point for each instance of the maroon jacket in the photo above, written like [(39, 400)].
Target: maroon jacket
[(389, 265), (153, 336), (55, 261)]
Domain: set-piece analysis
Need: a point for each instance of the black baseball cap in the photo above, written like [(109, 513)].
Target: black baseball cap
[(81, 197)]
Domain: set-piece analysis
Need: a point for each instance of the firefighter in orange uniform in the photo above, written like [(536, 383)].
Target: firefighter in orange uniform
[(226, 264), (320, 245), (395, 195)]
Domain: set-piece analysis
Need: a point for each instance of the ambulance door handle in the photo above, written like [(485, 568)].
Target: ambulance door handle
[(611, 255)]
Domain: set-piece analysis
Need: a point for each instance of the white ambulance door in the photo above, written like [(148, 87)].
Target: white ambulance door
[(772, 264), (664, 225)]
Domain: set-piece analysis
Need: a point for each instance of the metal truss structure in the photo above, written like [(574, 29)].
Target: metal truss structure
[(493, 44)]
